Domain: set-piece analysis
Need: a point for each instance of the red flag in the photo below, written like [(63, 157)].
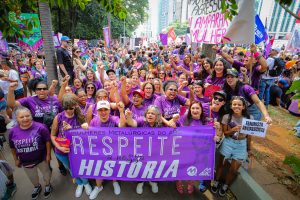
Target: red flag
[(172, 33), (298, 21), (272, 40)]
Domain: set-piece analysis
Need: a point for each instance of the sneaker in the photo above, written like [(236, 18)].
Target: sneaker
[(223, 190), (154, 187), (88, 189), (95, 192), (78, 191), (139, 188), (117, 189), (214, 187), (202, 187), (36, 191), (10, 191), (48, 191), (63, 171)]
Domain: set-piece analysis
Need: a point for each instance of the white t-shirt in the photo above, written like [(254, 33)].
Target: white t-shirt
[(13, 75), (270, 63)]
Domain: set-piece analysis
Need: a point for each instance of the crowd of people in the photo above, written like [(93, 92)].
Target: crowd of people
[(168, 86)]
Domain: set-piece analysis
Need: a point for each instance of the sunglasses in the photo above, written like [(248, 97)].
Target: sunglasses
[(69, 108), (150, 78), (40, 89), (219, 99), (90, 88), (77, 51)]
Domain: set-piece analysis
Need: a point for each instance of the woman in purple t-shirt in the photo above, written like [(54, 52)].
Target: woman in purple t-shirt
[(169, 104), (24, 74), (233, 87), (31, 148), (90, 90), (70, 118), (104, 119), (158, 87), (218, 74), (91, 77), (151, 119)]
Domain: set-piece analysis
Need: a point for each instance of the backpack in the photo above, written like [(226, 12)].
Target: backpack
[(279, 65)]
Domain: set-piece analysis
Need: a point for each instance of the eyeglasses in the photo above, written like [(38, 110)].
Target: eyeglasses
[(150, 78), (219, 99), (90, 88), (102, 97), (69, 108), (173, 90), (77, 51), (40, 89)]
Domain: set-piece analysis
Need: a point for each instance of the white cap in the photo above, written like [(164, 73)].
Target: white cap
[(103, 104), (276, 49)]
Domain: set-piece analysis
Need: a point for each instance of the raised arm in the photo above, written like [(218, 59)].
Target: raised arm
[(224, 55), (124, 95), (11, 102), (62, 90)]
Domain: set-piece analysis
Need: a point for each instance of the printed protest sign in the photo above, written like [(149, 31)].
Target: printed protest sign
[(140, 154), (253, 127)]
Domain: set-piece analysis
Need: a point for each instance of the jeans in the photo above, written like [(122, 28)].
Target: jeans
[(255, 112), (264, 90), (65, 161)]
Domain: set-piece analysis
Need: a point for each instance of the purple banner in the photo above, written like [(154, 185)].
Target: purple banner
[(106, 35), (3, 44), (164, 38), (140, 154)]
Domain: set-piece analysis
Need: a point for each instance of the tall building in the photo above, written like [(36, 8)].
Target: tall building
[(279, 22), (169, 11)]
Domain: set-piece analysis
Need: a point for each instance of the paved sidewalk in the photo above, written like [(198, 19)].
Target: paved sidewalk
[(64, 188)]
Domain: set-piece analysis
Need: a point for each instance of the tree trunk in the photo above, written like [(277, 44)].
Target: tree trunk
[(207, 50), (46, 29)]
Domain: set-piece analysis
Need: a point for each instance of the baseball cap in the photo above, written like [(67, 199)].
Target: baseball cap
[(276, 49), (103, 104), (65, 38), (140, 92), (232, 72), (221, 93), (110, 70)]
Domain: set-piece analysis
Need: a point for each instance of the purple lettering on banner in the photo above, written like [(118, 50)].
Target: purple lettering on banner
[(140, 154)]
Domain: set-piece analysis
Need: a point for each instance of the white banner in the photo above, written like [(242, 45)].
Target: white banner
[(254, 128), (208, 24)]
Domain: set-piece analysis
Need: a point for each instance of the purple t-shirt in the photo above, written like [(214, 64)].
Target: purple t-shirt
[(38, 107), (39, 74), (84, 108), (169, 107), (255, 76), (150, 101), (23, 69), (136, 112), (196, 67), (113, 121), (202, 99), (97, 83), (30, 144), (245, 91), (191, 122), (218, 81), (90, 100), (61, 117)]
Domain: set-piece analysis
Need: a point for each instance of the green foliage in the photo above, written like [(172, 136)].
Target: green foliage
[(89, 23), (230, 7), (294, 163), (295, 87), (179, 28), (10, 11)]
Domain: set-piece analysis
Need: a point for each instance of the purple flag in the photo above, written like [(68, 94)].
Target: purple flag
[(106, 35), (164, 38), (3, 44), (143, 154)]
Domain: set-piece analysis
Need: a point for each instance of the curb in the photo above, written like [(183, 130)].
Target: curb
[(246, 188)]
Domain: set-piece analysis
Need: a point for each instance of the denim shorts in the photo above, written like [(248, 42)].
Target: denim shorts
[(234, 149)]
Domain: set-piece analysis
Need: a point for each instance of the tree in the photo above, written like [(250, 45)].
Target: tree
[(10, 11), (179, 28), (230, 7)]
